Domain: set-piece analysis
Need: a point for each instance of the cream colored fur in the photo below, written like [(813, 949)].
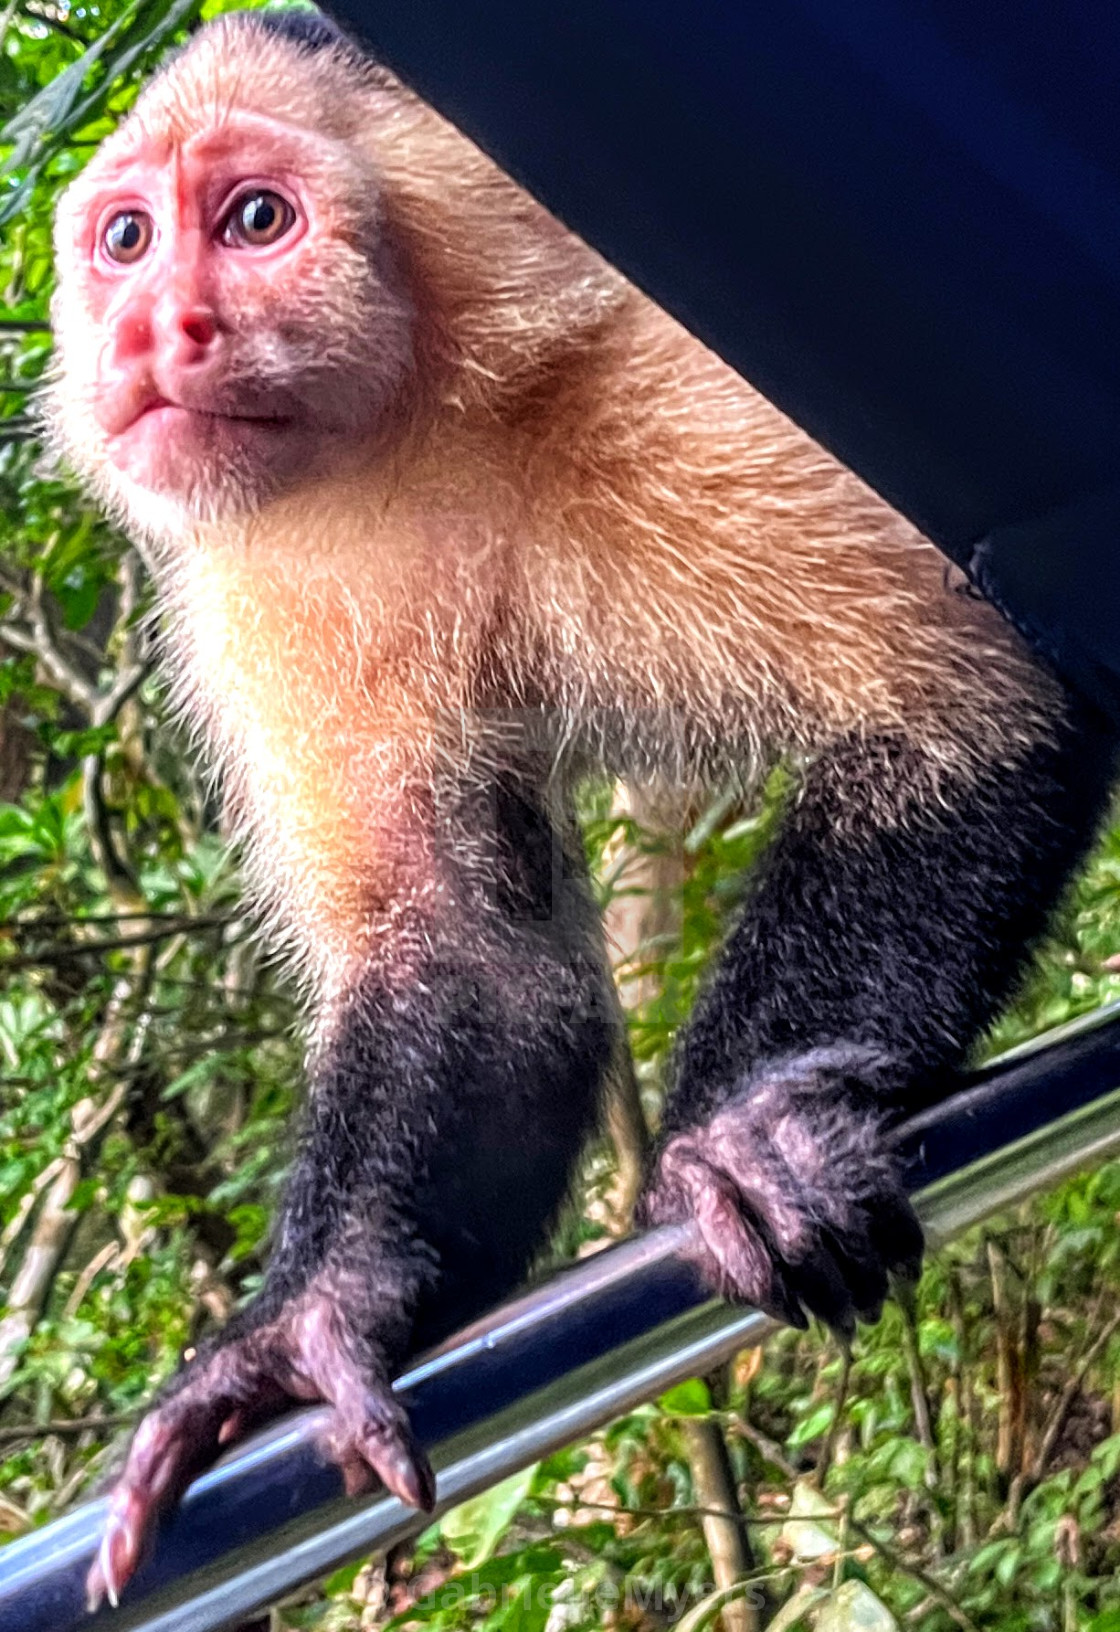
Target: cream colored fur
[(582, 514)]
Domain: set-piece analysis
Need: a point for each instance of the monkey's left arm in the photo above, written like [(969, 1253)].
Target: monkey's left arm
[(883, 934)]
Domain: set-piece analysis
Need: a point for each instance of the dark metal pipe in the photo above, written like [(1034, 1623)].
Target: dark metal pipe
[(547, 1369)]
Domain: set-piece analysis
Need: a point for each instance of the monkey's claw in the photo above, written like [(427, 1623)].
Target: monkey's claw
[(797, 1202), (305, 1353)]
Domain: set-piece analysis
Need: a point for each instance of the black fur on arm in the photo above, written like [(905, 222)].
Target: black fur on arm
[(458, 1082), (872, 953)]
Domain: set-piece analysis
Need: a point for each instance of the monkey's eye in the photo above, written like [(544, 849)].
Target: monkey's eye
[(258, 218), (127, 236)]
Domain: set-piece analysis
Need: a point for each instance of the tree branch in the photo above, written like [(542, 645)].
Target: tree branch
[(15, 1432), (119, 1039), (67, 952)]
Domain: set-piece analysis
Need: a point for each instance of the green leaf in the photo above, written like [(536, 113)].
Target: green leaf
[(1007, 1566), (473, 1529), (690, 1399), (810, 1532), (342, 1580), (58, 112), (1107, 1456), (818, 1422), (853, 1607)]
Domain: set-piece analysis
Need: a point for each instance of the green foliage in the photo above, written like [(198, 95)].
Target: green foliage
[(962, 1470), (473, 1530)]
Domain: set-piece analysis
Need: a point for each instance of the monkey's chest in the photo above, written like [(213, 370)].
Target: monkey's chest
[(320, 707)]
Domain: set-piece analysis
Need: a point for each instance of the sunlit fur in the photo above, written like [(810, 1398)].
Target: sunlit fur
[(578, 521)]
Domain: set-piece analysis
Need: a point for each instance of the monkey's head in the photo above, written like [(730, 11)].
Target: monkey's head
[(282, 263), (231, 318)]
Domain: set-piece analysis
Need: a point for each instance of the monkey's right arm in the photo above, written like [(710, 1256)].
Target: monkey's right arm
[(456, 1085)]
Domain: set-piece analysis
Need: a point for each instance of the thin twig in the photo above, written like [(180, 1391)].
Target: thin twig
[(768, 1449), (1009, 1449), (64, 920), (100, 1260), (965, 1445), (725, 1536), (65, 1425), (690, 1510), (1068, 1395), (119, 1041), (42, 643), (115, 943), (929, 1582), (919, 1393), (828, 1449), (15, 1226)]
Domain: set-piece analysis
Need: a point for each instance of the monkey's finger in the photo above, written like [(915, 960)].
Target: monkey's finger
[(383, 1447), (898, 1235), (235, 1425), (862, 1271), (116, 1561), (832, 1289), (170, 1446), (358, 1478), (268, 1400), (403, 1467), (740, 1262)]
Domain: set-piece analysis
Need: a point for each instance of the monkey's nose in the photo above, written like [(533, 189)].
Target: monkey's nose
[(199, 327), (187, 331)]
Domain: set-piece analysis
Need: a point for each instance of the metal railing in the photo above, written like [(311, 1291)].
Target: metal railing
[(548, 1369)]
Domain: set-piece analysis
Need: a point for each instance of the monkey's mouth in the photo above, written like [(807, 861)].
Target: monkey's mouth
[(170, 411), (155, 412), (169, 446)]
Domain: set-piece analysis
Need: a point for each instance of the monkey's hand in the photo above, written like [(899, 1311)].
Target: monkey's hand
[(304, 1352), (797, 1202)]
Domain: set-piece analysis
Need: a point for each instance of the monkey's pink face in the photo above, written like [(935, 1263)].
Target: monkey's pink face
[(228, 315)]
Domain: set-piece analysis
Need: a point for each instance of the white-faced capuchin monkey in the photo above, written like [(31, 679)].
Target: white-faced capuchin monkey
[(444, 513)]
